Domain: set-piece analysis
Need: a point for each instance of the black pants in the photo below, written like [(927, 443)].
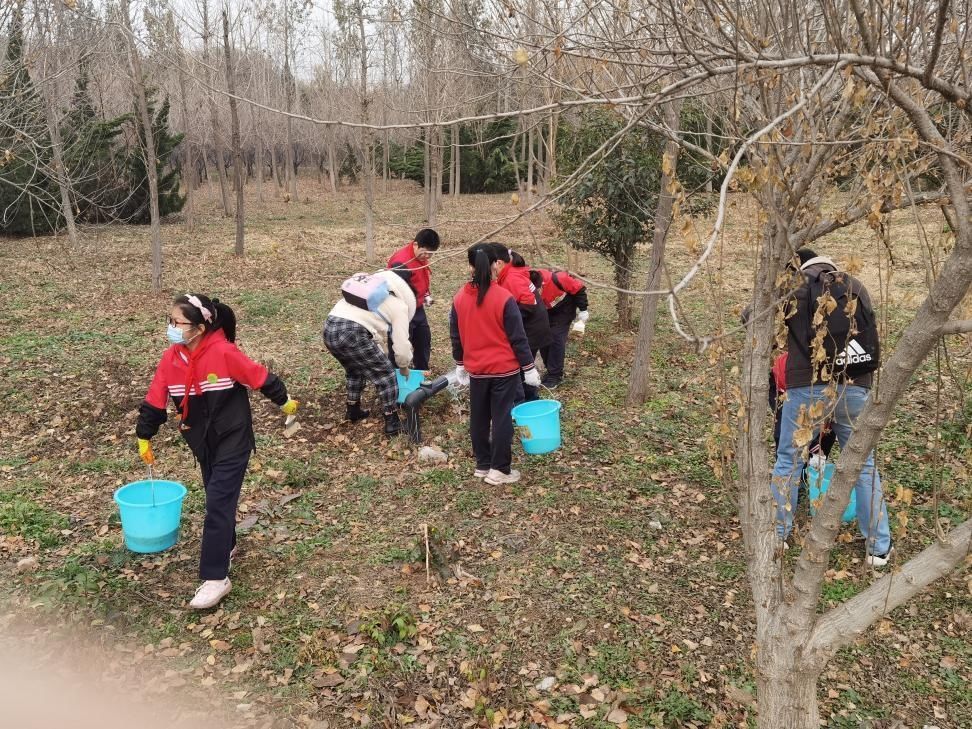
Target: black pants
[(490, 401), (555, 353), (420, 335), (223, 481)]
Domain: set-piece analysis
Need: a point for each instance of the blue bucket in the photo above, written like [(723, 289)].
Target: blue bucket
[(817, 487), (539, 424), (407, 387), (150, 522)]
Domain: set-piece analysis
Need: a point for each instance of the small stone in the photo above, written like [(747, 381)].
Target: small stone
[(428, 453), (655, 525), (27, 564), (546, 684)]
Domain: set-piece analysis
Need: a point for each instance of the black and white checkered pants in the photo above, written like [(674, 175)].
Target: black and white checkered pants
[(353, 346)]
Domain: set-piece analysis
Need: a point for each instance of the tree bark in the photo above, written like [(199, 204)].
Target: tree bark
[(235, 137), (148, 140), (291, 175), (214, 116), (529, 176), (641, 367), (189, 160), (367, 148), (622, 279), (331, 168), (260, 167), (457, 158)]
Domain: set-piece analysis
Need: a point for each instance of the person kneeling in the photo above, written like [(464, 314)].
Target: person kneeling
[(357, 338)]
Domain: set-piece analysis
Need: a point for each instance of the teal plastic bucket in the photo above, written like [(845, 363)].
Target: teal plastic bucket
[(817, 487), (150, 521), (407, 387), (539, 425)]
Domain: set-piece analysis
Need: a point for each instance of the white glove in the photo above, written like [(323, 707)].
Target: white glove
[(462, 377), (583, 316), (429, 300), (532, 377), (579, 326)]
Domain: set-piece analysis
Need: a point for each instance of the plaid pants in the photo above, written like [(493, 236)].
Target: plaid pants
[(353, 346)]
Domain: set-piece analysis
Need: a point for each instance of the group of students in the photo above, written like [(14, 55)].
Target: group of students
[(499, 321)]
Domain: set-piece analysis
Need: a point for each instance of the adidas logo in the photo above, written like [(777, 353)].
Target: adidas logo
[(853, 354)]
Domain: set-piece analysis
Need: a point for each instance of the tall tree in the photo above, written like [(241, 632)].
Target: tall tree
[(235, 135), (148, 138)]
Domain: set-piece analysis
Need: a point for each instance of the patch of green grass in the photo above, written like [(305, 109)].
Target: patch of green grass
[(613, 663), (729, 571), (676, 708), (101, 464), (26, 518), (838, 591), (258, 305), (468, 501), (440, 477)]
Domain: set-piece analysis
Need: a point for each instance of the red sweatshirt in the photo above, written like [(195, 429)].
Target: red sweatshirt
[(488, 338), (421, 279), (517, 282), (557, 285), (216, 419)]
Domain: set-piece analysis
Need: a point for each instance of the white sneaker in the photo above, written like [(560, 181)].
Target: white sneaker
[(496, 478), (481, 473), (880, 560), (209, 593)]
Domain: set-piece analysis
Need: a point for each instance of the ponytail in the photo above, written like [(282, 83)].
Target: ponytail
[(516, 260), (481, 258), (225, 320), (211, 313)]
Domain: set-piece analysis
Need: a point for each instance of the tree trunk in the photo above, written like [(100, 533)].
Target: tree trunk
[(367, 148), (275, 166), (709, 145), (452, 162), (214, 117), (291, 174), (622, 279), (787, 695), (260, 166), (331, 169), (529, 177), (385, 159), (148, 140), (552, 151), (188, 164), (235, 137), (60, 171), (427, 175), (641, 367), (439, 166), (457, 161)]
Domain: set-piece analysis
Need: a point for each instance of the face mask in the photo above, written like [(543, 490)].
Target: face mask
[(174, 334)]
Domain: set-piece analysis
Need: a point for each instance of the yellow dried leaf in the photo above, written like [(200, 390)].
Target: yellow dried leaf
[(521, 56)]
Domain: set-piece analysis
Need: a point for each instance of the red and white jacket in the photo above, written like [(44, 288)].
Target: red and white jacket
[(488, 338), (559, 286), (421, 280), (215, 418)]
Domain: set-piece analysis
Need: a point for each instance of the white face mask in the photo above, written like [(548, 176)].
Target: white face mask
[(177, 336)]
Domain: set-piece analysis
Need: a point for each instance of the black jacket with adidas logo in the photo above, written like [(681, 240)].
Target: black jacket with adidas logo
[(799, 369)]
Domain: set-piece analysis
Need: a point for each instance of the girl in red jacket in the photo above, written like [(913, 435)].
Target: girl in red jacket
[(491, 350), (566, 300), (207, 378)]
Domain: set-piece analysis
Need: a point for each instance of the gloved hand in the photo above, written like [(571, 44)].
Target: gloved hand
[(290, 407), (532, 377), (145, 451), (462, 377), (579, 326), (429, 300), (404, 372), (583, 316)]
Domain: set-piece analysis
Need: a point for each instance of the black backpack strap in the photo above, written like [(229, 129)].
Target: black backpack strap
[(553, 277)]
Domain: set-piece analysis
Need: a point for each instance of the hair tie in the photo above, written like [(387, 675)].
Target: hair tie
[(207, 315)]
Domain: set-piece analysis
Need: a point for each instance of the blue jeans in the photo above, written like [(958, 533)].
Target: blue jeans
[(872, 512)]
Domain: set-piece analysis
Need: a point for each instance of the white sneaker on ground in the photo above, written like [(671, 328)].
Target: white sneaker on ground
[(209, 593), (497, 478), (880, 560), (481, 473)]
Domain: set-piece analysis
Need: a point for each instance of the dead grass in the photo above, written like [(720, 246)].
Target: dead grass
[(575, 609)]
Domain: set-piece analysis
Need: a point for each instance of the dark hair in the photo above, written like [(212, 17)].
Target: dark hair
[(536, 278), (517, 260), (220, 315), (805, 254), (427, 239), (501, 251), (482, 256)]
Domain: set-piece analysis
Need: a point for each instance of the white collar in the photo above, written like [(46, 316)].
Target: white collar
[(818, 259)]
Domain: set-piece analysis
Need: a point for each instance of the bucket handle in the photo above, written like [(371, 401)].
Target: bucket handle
[(151, 478)]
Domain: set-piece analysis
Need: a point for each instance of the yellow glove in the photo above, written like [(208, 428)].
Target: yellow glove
[(145, 451), (290, 407)]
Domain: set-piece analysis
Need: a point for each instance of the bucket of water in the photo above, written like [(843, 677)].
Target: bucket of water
[(539, 425), (407, 387), (817, 486), (150, 514)]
